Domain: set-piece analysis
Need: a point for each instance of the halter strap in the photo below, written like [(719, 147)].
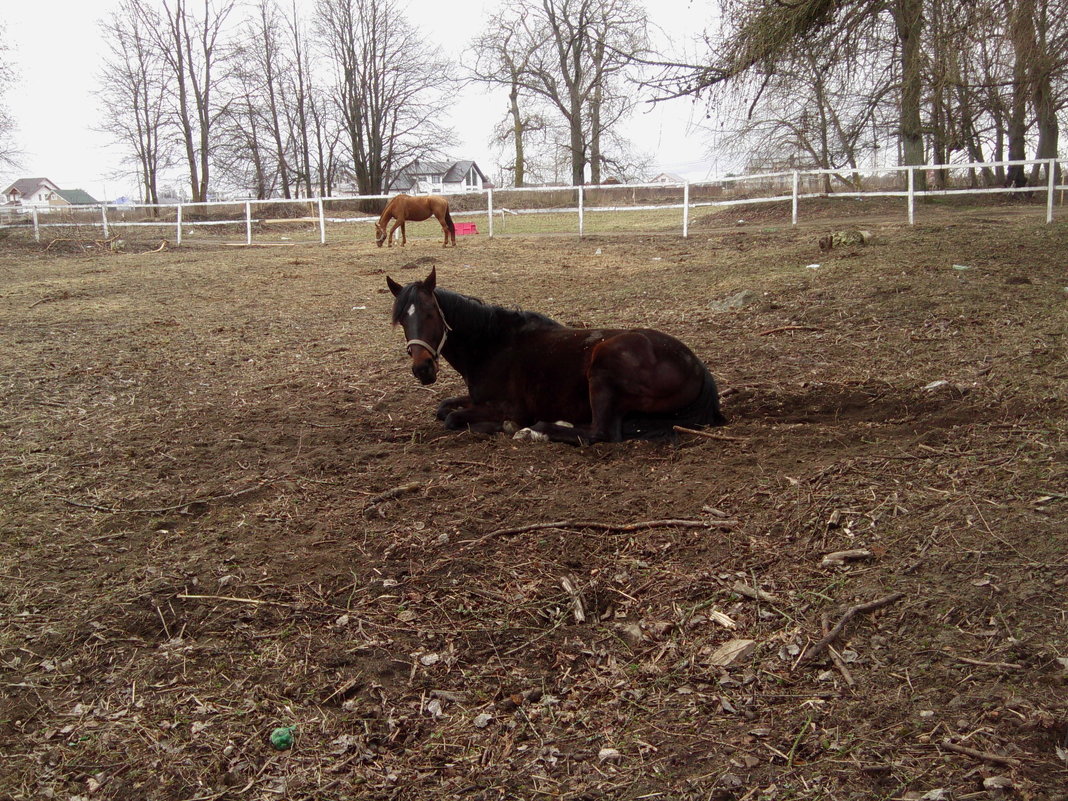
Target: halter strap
[(435, 353)]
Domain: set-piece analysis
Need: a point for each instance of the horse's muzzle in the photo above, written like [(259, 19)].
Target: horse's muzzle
[(425, 371)]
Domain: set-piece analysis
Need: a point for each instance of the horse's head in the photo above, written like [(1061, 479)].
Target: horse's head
[(416, 309), (380, 234)]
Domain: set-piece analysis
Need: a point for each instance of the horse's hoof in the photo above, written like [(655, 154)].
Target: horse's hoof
[(530, 435)]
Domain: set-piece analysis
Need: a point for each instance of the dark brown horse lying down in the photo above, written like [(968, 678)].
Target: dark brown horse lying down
[(567, 384)]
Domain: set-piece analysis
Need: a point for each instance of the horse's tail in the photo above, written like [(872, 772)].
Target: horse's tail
[(702, 411), (449, 222)]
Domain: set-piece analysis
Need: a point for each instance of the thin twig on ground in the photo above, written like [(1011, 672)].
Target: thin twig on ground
[(791, 328), (390, 494), (615, 528), (120, 510), (986, 756), (709, 435), (852, 612)]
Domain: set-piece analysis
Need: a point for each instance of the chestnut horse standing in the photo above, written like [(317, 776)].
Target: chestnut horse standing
[(405, 207), (526, 370)]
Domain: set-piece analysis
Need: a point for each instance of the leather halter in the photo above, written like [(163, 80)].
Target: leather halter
[(435, 353)]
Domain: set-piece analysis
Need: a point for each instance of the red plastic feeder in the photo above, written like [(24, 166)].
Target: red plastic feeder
[(465, 229)]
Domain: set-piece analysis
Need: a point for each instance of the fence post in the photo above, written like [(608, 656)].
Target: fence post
[(322, 223), (1051, 168), (685, 210), (104, 217), (178, 238), (794, 205), (489, 206), (580, 210), (36, 226), (912, 195), (248, 222)]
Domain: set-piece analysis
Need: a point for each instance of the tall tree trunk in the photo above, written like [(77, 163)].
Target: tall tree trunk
[(303, 93), (1048, 126), (909, 20), (1022, 36), (517, 135)]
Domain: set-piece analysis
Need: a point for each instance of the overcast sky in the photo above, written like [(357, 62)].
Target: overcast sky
[(57, 50)]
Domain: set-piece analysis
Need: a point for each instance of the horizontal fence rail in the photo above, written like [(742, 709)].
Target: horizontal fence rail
[(577, 210)]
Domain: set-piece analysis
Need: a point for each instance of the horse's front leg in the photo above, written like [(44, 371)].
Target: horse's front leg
[(392, 229), (484, 419), (606, 425), (450, 405)]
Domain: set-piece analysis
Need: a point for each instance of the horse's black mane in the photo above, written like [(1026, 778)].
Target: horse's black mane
[(473, 316)]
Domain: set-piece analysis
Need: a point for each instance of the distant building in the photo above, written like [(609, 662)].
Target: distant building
[(42, 193), (439, 178), (667, 178)]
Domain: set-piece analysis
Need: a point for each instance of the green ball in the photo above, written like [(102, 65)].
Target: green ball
[(282, 738)]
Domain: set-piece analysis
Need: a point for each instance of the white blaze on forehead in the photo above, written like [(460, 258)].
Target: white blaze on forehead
[(411, 310)]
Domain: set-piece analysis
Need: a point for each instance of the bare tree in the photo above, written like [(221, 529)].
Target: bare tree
[(273, 64), (763, 32), (9, 154), (133, 95), (303, 90), (196, 53), (819, 109), (582, 48), (986, 77), (388, 87), (502, 57)]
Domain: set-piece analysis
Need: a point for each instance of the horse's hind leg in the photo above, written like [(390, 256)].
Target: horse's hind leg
[(445, 230)]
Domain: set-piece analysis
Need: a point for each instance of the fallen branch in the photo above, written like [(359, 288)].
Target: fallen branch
[(755, 593), (986, 756), (791, 328), (981, 663), (233, 599), (119, 510), (615, 528), (708, 435), (836, 658), (852, 612), (390, 494)]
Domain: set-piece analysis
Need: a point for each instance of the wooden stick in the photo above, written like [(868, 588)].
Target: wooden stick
[(986, 756), (616, 528), (836, 657), (120, 510), (396, 492), (233, 599), (852, 612), (967, 661), (791, 328), (707, 435)]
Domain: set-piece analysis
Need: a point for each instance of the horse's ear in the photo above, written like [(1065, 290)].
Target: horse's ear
[(394, 287), (431, 280)]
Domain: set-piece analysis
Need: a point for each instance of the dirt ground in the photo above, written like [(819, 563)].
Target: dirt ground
[(226, 507)]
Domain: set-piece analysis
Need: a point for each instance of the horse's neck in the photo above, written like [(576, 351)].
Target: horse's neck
[(387, 213), (467, 347)]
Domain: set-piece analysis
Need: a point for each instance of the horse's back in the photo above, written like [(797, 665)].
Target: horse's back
[(656, 381)]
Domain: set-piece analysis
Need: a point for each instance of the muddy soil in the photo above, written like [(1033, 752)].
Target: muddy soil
[(226, 507)]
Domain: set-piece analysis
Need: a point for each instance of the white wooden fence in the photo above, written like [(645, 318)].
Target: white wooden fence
[(111, 218)]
